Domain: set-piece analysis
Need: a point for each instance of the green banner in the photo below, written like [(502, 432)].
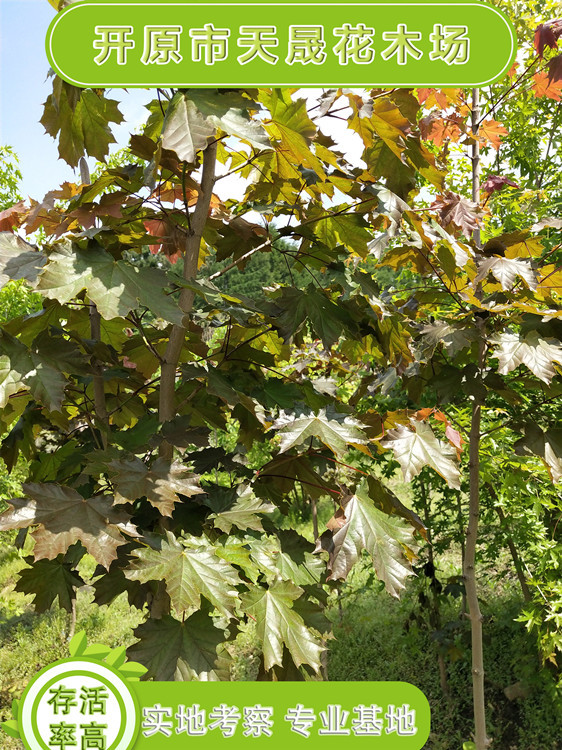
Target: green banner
[(89, 703), (315, 715), (225, 44)]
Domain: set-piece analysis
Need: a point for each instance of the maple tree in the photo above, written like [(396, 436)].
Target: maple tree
[(117, 390)]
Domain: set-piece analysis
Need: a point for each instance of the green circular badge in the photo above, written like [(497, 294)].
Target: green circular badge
[(81, 703)]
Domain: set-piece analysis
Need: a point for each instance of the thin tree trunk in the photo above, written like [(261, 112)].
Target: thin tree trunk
[(314, 506), (480, 737), (518, 565), (97, 367), (463, 551), (475, 156), (95, 332), (427, 520), (160, 603), (475, 615), (443, 679), (435, 596), (167, 405), (72, 617)]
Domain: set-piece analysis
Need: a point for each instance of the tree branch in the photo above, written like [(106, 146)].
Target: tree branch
[(270, 241), (525, 590)]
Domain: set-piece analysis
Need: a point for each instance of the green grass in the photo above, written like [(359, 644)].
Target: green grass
[(373, 642), (30, 641)]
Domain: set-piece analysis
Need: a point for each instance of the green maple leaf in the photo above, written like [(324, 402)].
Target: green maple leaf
[(362, 526), (243, 514), (217, 102), (191, 570), (18, 259), (82, 119), (382, 162), (161, 484), (291, 124), (394, 337), (36, 323), (418, 447), (278, 625), (180, 651), (277, 478), (360, 118), (222, 386), (390, 124), (336, 433), (48, 580), (346, 229), (26, 369), (507, 271), (237, 552), (387, 501), (96, 112), (380, 117), (11, 381), (58, 465), (228, 110), (193, 117), (292, 113), (46, 384), (536, 353), (60, 117), (116, 287), (546, 444), (236, 122), (185, 130), (452, 253), (109, 584), (304, 569), (452, 338), (328, 320), (282, 557), (65, 517)]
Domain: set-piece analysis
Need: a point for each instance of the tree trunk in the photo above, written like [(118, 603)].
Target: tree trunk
[(314, 506), (72, 617), (436, 609), (167, 405), (462, 533), (100, 408), (99, 387), (475, 615), (480, 736), (475, 156), (160, 603)]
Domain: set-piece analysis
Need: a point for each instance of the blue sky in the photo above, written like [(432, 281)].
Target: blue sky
[(24, 88)]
